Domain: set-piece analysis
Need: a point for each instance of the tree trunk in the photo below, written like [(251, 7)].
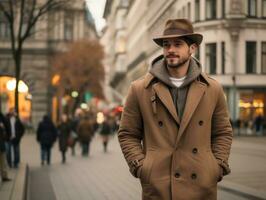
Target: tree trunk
[(17, 76)]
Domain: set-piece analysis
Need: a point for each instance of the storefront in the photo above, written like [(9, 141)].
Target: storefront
[(7, 100), (251, 104), (248, 106)]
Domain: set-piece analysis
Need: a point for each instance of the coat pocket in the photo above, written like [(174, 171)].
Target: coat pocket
[(146, 168), (217, 170)]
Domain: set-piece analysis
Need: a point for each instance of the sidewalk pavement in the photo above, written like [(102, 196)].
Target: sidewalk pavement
[(15, 189), (106, 176), (248, 167)]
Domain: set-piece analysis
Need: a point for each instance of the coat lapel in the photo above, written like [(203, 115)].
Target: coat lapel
[(195, 93), (164, 95)]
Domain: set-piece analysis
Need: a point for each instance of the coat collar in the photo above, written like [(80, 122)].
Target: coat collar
[(195, 93), (164, 95)]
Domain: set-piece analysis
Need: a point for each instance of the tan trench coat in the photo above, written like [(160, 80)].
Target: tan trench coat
[(178, 160)]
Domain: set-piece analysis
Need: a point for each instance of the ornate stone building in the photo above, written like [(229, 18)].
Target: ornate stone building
[(233, 50), (58, 29)]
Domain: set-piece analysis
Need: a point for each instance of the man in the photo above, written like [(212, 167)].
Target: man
[(175, 132), (3, 165), (15, 131)]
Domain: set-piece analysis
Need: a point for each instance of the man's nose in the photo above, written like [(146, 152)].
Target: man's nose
[(171, 48)]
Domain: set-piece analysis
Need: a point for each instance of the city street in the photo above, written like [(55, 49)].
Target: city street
[(187, 67), (105, 176)]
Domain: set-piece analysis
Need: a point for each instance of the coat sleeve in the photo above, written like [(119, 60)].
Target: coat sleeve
[(130, 132), (221, 138)]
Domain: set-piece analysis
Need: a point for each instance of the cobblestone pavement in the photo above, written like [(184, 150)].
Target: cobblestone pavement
[(105, 176)]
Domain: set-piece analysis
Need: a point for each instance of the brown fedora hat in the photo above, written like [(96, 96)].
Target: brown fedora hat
[(175, 28)]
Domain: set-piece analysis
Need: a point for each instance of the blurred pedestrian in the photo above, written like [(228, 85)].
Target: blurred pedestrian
[(238, 125), (3, 164), (106, 129), (64, 129), (15, 131), (175, 131), (74, 126), (85, 132), (46, 136), (259, 125)]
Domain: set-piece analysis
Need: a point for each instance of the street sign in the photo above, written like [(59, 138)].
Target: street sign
[(88, 96)]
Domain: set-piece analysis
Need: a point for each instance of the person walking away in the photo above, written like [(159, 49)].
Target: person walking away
[(15, 131), (74, 125), (85, 133), (105, 132), (64, 129), (259, 125), (175, 132), (3, 164), (46, 136)]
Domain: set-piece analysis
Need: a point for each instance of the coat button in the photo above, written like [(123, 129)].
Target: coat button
[(193, 176), (194, 150), (200, 122), (160, 123), (177, 175)]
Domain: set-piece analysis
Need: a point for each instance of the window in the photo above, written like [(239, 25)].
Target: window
[(263, 57), (263, 13), (184, 12), (211, 58), (223, 57), (188, 11), (252, 8), (197, 10), (210, 9), (68, 33), (223, 8), (250, 57), (4, 27)]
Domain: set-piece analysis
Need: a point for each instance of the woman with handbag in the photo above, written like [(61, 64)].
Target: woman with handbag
[(64, 130)]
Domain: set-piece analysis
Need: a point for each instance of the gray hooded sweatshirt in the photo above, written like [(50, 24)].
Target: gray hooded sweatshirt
[(179, 95)]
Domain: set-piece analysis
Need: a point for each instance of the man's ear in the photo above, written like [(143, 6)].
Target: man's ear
[(193, 47)]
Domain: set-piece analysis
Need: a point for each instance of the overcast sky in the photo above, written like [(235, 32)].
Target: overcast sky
[(97, 8)]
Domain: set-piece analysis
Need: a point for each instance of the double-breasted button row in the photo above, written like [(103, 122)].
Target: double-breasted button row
[(193, 175), (200, 122), (160, 123), (177, 175), (194, 150)]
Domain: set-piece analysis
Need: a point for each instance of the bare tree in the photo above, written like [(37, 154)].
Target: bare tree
[(22, 16), (80, 69)]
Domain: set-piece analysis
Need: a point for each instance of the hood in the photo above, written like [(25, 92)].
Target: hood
[(159, 70)]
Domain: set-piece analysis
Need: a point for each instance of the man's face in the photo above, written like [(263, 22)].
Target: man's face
[(177, 52)]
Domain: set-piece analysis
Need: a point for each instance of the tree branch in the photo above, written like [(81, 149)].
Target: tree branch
[(45, 8), (12, 30), (21, 20), (6, 14)]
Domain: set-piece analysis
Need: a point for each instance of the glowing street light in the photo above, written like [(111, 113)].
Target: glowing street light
[(74, 94), (84, 106), (100, 118), (22, 87)]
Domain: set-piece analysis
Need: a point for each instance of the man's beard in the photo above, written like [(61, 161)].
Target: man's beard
[(178, 64)]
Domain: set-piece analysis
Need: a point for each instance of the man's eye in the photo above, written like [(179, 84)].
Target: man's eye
[(166, 45), (177, 44)]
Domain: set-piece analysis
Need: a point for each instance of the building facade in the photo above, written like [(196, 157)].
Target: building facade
[(233, 50), (53, 33)]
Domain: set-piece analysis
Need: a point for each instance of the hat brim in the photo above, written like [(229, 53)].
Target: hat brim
[(195, 37)]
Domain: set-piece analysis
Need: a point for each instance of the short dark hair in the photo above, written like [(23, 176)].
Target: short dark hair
[(188, 40)]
